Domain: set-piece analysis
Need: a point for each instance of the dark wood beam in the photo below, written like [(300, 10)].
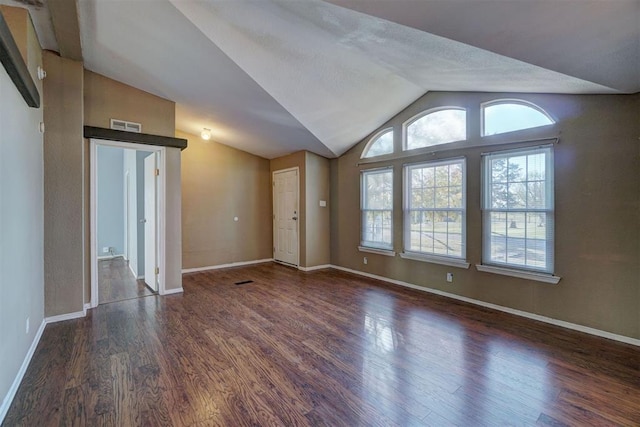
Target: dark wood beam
[(16, 68), (137, 138)]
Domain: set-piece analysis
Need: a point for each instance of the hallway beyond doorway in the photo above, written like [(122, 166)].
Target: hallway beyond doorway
[(117, 283)]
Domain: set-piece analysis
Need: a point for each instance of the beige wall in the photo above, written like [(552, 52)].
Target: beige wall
[(317, 218), (218, 184), (173, 221), (314, 221), (106, 99), (63, 186), (597, 196)]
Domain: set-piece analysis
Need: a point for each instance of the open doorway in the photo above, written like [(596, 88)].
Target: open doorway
[(125, 214)]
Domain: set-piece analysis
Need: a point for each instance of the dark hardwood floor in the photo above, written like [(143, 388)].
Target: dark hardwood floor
[(325, 349), (116, 282)]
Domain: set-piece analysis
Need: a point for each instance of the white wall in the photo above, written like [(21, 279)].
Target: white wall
[(21, 232), (110, 200)]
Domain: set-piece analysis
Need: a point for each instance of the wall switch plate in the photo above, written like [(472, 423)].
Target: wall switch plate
[(105, 250), (449, 277), (27, 326), (365, 260), (323, 203)]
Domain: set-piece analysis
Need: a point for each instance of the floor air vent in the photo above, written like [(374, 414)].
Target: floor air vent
[(244, 282)]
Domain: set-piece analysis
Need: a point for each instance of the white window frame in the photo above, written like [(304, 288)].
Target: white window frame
[(451, 260), (374, 139), (412, 120), (493, 266), (371, 246), (516, 101)]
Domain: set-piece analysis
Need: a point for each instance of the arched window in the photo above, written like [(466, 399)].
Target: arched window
[(435, 128), (381, 143), (509, 115)]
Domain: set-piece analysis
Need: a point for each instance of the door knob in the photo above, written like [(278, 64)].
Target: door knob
[(142, 221), (295, 218)]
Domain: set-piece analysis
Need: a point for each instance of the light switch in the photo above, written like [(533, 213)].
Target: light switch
[(323, 203)]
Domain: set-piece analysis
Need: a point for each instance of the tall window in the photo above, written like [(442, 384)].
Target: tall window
[(381, 143), (377, 208), (435, 208), (518, 208), (435, 128), (510, 115)]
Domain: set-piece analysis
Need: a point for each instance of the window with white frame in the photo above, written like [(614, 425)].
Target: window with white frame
[(377, 208), (518, 209), (380, 144), (435, 127), (509, 115), (435, 208)]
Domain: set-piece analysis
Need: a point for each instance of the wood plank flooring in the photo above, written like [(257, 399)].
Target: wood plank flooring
[(323, 348), (116, 282)]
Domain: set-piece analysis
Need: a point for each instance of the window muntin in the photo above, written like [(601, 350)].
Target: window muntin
[(437, 127), (435, 208), (381, 143), (518, 209), (512, 115), (377, 208)]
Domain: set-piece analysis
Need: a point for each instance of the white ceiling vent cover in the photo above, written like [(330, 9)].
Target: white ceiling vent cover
[(124, 125)]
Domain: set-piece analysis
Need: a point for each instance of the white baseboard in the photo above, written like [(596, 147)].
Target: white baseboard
[(68, 316), (556, 322), (233, 264), (135, 274), (173, 291), (315, 267), (6, 403), (100, 258)]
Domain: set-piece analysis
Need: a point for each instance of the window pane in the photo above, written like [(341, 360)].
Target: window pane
[(435, 128), (436, 228), (383, 144), (517, 209), (378, 194), (377, 213), (509, 117)]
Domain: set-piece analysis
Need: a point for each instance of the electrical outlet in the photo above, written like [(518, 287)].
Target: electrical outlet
[(27, 326), (105, 250), (449, 277), (365, 260)]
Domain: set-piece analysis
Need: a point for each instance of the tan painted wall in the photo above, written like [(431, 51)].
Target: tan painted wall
[(19, 23), (106, 99), (597, 196), (173, 221), (63, 186), (317, 219), (218, 184)]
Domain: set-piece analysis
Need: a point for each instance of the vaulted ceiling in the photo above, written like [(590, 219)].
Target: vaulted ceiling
[(276, 76)]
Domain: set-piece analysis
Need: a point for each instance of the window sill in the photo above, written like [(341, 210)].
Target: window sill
[(451, 262), (385, 252), (522, 274)]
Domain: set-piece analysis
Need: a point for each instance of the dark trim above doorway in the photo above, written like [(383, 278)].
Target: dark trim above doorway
[(16, 68), (137, 138)]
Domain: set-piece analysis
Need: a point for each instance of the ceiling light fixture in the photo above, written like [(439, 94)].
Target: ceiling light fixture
[(206, 134)]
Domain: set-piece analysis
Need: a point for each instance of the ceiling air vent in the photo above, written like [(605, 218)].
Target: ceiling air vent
[(126, 126)]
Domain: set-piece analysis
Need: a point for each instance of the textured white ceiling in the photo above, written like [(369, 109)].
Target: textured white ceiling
[(343, 73), (275, 76), (595, 40)]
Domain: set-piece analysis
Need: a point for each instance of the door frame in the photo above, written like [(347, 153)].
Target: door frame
[(161, 210), (273, 208)]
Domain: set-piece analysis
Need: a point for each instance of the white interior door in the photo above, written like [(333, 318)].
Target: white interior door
[(285, 217), (150, 224)]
